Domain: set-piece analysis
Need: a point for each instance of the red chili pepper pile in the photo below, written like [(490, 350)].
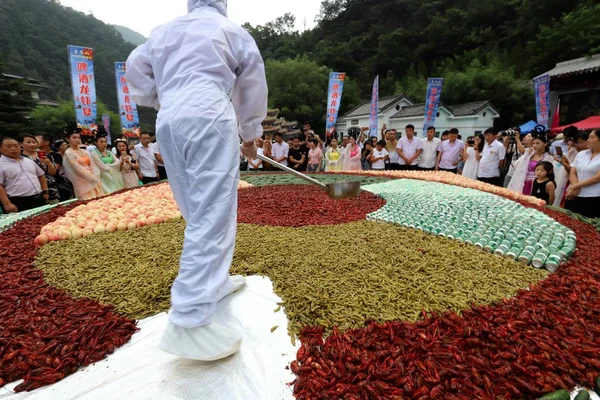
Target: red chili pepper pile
[(46, 335), (304, 205), (544, 339)]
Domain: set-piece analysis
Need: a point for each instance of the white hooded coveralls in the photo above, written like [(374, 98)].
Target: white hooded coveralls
[(206, 77)]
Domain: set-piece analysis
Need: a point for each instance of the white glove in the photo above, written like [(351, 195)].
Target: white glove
[(250, 152)]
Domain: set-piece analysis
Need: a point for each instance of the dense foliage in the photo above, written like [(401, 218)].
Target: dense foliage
[(486, 49), (15, 104), (34, 38)]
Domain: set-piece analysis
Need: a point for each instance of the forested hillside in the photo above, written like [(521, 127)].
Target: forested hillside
[(129, 35), (486, 49)]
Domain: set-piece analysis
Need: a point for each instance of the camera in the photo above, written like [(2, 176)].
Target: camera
[(471, 141), (512, 132)]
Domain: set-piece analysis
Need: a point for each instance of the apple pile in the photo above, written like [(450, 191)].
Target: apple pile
[(452, 179), (132, 209)]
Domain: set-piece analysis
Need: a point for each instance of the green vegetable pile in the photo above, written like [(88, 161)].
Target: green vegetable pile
[(289, 179), (595, 222), (326, 275)]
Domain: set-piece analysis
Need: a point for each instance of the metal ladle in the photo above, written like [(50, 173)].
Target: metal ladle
[(336, 190)]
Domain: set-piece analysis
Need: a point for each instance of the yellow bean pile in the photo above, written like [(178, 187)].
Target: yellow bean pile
[(326, 275)]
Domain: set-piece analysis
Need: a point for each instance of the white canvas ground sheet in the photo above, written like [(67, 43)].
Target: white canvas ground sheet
[(140, 370)]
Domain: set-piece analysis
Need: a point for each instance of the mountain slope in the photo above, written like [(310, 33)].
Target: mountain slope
[(35, 35), (129, 35), (34, 38)]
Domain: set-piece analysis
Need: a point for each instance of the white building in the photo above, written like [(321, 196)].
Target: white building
[(361, 116), (398, 111), (468, 118)]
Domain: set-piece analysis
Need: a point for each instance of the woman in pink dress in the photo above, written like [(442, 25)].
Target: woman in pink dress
[(80, 170), (352, 155)]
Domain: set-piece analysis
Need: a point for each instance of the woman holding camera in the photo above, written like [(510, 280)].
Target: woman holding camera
[(472, 155)]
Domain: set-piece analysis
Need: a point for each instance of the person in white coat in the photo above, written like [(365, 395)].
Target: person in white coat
[(206, 77)]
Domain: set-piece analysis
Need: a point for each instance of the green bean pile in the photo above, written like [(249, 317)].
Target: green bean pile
[(289, 179), (326, 275)]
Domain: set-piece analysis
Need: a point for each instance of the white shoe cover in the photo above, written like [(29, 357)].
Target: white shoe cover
[(204, 343), (236, 282)]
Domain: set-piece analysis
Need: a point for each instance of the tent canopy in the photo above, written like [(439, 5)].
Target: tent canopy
[(588, 123), (528, 127)]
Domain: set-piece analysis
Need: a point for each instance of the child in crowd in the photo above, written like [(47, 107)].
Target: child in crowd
[(544, 186), (366, 156), (315, 156), (379, 156)]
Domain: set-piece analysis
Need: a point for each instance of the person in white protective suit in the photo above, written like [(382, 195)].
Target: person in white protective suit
[(206, 77)]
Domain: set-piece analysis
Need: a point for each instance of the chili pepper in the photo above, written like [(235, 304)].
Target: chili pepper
[(39, 315)]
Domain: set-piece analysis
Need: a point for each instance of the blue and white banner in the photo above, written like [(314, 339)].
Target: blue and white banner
[(374, 120), (81, 60), (432, 101), (542, 99), (130, 122), (334, 98)]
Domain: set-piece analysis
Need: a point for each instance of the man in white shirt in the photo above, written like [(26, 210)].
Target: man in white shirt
[(409, 149), (379, 156), (450, 153), (146, 159), (162, 172), (23, 184), (280, 150), (429, 154), (491, 159)]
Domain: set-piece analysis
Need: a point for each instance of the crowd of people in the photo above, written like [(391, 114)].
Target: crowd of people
[(564, 173), (35, 170)]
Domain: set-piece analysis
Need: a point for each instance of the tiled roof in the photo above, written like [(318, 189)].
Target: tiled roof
[(459, 110), (384, 103), (466, 109), (577, 66)]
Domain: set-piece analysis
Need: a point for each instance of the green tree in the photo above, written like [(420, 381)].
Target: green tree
[(510, 94), (15, 103), (52, 120), (277, 39), (299, 89), (575, 35)]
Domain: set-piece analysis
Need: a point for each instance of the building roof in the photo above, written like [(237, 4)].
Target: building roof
[(467, 109), (459, 110), (384, 104), (28, 81), (578, 66)]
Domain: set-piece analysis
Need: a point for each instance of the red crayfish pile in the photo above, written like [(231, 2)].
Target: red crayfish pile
[(45, 334), (304, 205), (543, 339)]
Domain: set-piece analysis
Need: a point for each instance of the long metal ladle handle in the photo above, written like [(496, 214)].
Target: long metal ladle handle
[(293, 172)]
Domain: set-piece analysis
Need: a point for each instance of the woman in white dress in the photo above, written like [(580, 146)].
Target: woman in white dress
[(472, 155)]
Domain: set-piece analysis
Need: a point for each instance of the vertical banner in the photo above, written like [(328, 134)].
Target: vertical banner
[(334, 98), (374, 120), (130, 122), (81, 60), (542, 99), (432, 101), (106, 125), (556, 116)]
